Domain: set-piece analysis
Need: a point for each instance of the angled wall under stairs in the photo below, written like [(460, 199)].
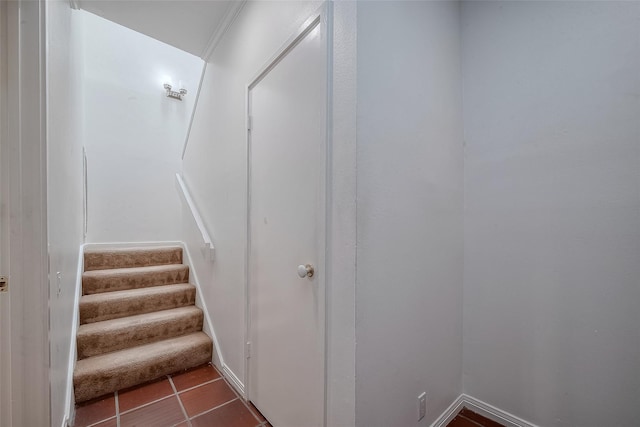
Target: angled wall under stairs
[(138, 320)]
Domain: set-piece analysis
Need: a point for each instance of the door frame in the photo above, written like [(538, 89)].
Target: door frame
[(26, 402), (322, 17)]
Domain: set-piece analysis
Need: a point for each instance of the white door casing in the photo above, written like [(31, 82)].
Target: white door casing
[(5, 330), (287, 160), (24, 346)]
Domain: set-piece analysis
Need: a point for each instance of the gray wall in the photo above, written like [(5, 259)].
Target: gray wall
[(409, 236), (552, 210)]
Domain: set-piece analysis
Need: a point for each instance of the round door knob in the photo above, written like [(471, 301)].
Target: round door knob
[(305, 271)]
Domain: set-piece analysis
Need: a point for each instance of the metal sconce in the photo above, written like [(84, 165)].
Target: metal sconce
[(173, 94)]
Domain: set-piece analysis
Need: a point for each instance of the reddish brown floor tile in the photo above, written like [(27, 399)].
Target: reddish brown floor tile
[(109, 423), (164, 413), (234, 414), (256, 412), (137, 396), (95, 410), (195, 377), (205, 397), (485, 422), (183, 424), (460, 421)]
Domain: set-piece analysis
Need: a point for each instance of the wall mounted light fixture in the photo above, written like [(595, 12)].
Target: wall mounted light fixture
[(174, 94)]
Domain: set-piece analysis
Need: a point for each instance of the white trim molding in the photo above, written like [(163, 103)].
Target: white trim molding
[(232, 12), (70, 412), (193, 110), (234, 381), (481, 408), (217, 360)]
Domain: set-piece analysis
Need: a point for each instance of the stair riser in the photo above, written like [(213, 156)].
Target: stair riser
[(92, 383), (101, 342), (99, 311), (118, 258), (133, 280)]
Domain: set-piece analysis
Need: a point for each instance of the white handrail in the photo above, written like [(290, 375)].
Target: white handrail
[(208, 249)]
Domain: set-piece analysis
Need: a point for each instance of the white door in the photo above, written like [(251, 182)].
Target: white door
[(287, 161)]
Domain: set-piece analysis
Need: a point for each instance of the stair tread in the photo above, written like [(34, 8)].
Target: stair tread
[(133, 249), (134, 270), (116, 304), (111, 335), (98, 375), (137, 319), (118, 279), (138, 256), (134, 293), (136, 355)]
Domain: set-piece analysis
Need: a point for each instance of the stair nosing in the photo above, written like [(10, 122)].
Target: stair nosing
[(115, 294), (134, 270), (109, 322), (147, 355)]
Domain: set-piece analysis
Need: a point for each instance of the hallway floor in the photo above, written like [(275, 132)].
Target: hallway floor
[(195, 398), (467, 418), (199, 397)]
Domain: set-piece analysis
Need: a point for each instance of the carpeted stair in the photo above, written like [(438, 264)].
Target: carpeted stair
[(138, 321)]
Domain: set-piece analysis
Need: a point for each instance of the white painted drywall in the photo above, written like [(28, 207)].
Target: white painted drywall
[(133, 133), (410, 202), (64, 189), (186, 24), (28, 263), (552, 218), (341, 221), (214, 165)]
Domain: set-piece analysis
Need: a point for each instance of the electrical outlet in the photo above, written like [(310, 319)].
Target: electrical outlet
[(422, 405)]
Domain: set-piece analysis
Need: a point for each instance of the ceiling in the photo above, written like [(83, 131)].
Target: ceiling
[(193, 26)]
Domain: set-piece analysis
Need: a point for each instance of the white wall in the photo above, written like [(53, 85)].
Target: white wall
[(64, 189), (552, 219), (133, 133), (410, 200), (214, 166)]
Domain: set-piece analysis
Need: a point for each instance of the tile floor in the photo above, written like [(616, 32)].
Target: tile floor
[(467, 418), (194, 398)]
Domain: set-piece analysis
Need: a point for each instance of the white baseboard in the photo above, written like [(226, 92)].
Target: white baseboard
[(217, 358), (70, 403), (450, 413), (121, 245), (481, 408), (234, 380)]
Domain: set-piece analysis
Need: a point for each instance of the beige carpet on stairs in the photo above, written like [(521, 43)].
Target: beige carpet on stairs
[(138, 320)]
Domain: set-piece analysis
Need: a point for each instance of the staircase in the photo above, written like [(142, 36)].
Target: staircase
[(138, 320)]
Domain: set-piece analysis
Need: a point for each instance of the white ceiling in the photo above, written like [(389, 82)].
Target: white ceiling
[(186, 24)]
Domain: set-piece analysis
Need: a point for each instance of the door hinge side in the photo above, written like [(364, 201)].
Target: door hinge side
[(248, 349), (4, 283), (249, 122)]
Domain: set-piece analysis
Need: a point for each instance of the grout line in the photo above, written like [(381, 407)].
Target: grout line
[(146, 404), (245, 403), (101, 421), (175, 392), (213, 409), (196, 386), (117, 408)]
